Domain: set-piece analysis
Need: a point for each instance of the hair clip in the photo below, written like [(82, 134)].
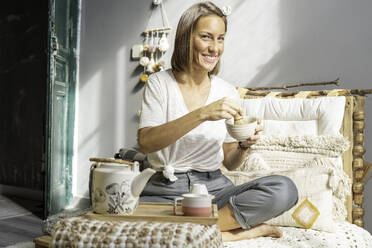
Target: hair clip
[(226, 10)]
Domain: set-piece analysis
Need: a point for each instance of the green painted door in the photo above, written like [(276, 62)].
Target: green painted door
[(62, 66)]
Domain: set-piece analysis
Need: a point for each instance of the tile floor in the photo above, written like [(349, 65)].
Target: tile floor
[(20, 220)]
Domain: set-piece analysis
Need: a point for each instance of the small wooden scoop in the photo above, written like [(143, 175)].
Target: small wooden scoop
[(239, 120)]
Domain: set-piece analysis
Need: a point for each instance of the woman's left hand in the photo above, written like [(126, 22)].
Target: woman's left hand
[(251, 140)]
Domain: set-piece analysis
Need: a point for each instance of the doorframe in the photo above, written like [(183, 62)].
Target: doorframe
[(73, 62)]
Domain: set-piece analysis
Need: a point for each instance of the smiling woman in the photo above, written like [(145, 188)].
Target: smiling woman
[(208, 42), (191, 24), (182, 129)]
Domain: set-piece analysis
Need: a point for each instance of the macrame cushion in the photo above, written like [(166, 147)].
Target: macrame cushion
[(85, 232)]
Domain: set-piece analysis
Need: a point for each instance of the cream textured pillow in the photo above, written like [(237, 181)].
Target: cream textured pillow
[(297, 116), (285, 152), (277, 152), (312, 184)]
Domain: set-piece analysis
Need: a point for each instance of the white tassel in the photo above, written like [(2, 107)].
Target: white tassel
[(168, 172), (334, 181)]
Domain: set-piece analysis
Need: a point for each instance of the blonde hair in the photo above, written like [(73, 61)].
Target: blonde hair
[(182, 57)]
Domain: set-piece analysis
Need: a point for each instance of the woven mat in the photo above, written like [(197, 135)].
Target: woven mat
[(84, 232)]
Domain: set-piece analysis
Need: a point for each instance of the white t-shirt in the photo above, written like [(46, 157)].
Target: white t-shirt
[(201, 148)]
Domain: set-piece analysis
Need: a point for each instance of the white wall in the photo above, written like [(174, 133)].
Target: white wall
[(269, 42)]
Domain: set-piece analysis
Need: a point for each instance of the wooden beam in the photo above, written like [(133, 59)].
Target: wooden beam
[(287, 86)]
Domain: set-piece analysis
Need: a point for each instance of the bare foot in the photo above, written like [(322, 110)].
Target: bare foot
[(262, 230)]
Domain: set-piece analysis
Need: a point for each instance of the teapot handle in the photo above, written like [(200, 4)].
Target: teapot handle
[(92, 168), (175, 206)]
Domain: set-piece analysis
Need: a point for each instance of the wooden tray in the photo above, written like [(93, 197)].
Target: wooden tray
[(157, 212), (43, 241)]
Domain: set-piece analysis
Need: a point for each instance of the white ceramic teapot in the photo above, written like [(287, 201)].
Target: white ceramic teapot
[(116, 186)]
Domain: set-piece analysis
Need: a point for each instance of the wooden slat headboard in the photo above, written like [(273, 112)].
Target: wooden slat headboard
[(352, 128)]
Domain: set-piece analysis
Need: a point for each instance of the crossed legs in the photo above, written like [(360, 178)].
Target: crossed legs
[(231, 230), (253, 203)]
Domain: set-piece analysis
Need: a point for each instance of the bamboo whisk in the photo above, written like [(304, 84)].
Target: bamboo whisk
[(239, 120)]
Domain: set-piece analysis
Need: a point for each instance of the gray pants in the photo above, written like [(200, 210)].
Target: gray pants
[(253, 202)]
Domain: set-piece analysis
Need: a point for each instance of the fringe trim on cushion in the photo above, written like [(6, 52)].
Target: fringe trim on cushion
[(339, 182), (254, 162), (339, 212), (330, 145)]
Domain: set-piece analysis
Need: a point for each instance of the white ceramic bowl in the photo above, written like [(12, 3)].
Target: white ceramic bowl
[(241, 132)]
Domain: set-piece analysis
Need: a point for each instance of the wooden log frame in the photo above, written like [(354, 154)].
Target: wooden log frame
[(352, 128), (358, 152)]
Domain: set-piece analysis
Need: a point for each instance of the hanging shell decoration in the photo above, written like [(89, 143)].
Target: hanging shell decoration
[(154, 47)]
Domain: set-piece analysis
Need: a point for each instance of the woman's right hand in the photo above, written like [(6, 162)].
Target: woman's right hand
[(224, 108)]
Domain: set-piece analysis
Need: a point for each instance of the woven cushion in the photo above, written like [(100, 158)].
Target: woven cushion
[(85, 232)]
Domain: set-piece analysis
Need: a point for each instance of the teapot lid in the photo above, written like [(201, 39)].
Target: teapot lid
[(118, 167)]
